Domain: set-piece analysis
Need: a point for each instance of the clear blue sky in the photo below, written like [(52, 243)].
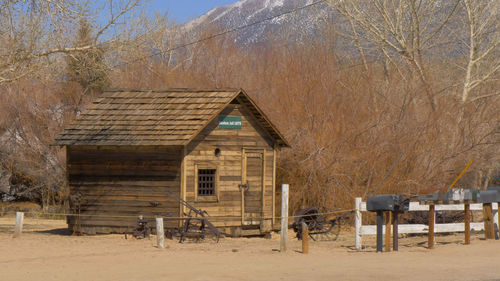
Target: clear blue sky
[(184, 10)]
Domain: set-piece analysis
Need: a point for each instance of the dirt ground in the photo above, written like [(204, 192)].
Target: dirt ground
[(47, 251)]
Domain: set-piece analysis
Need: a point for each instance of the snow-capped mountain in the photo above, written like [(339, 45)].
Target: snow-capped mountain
[(245, 12)]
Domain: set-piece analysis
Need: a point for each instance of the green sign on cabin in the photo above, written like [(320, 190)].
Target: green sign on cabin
[(230, 122)]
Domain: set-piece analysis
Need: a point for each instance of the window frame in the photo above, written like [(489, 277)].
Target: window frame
[(206, 198)]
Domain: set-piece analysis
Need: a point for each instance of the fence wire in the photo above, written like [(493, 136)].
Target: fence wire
[(208, 217)]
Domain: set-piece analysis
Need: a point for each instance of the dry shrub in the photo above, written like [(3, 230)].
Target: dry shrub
[(32, 114), (347, 125)]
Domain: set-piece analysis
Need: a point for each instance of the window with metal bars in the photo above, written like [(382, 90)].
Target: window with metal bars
[(206, 182)]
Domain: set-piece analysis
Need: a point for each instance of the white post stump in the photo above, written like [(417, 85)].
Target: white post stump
[(284, 217), (495, 220), (19, 224), (160, 235), (357, 222)]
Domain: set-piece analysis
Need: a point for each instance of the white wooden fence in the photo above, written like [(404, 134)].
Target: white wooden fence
[(361, 230)]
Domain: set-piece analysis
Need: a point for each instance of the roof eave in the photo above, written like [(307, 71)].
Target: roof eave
[(281, 141)]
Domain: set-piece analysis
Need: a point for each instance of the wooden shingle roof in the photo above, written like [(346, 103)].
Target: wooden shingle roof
[(169, 117)]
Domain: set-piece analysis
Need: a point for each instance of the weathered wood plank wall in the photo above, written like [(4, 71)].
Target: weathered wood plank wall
[(123, 181)]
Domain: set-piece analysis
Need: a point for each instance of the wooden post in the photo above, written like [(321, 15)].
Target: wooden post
[(160, 235), (243, 183), (284, 217), (183, 177), (273, 223), (380, 225), (263, 226), (305, 238), (19, 224), (388, 217), (489, 228), (242, 189), (357, 222), (430, 242), (395, 222), (467, 223)]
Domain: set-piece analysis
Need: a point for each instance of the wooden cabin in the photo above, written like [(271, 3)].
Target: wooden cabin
[(133, 153)]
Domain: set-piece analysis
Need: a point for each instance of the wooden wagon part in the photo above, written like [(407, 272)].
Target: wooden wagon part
[(320, 226), (196, 224), (142, 230)]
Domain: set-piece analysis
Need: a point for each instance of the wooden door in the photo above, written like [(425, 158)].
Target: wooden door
[(253, 181)]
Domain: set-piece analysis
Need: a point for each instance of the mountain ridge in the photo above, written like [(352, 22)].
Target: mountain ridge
[(249, 12)]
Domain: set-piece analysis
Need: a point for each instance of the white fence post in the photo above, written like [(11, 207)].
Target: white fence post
[(284, 217), (19, 224), (357, 222), (160, 235), (495, 218)]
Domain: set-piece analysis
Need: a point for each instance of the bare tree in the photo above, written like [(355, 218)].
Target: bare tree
[(403, 30), (33, 33), (37, 97), (483, 46)]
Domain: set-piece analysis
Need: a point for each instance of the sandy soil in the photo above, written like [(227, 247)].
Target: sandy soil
[(46, 251)]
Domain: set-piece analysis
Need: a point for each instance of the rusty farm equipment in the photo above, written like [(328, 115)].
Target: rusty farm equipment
[(142, 230), (322, 226), (195, 224)]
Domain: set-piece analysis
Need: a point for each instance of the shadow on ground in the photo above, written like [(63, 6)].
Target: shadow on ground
[(26, 230), (56, 231)]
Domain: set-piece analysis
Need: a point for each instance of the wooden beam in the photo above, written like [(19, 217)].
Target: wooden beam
[(395, 228), (388, 221), (66, 202), (243, 182), (274, 187), (182, 194), (489, 228), (263, 189), (305, 238)]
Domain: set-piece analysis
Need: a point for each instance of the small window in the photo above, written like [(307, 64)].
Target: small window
[(206, 182)]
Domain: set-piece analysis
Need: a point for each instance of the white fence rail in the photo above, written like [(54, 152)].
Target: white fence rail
[(361, 229)]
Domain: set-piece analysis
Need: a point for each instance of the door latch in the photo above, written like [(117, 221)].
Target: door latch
[(244, 186)]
